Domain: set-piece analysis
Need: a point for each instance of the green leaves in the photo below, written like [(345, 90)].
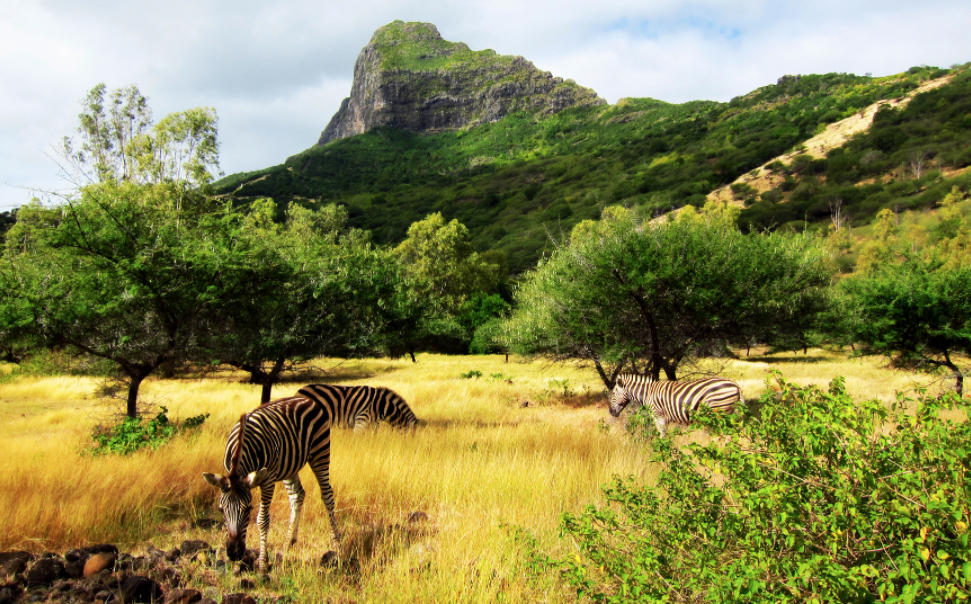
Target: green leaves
[(663, 293), (131, 435), (807, 495)]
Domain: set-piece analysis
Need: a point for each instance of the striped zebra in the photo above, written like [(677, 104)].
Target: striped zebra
[(360, 406), (274, 441), (673, 401)]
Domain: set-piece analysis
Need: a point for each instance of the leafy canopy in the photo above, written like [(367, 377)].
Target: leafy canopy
[(659, 294)]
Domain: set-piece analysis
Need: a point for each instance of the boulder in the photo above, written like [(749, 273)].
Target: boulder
[(238, 599), (183, 596), (45, 572), (141, 590), (14, 563), (97, 563), (191, 548)]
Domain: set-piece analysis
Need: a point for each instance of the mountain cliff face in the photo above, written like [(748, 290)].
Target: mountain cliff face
[(409, 78)]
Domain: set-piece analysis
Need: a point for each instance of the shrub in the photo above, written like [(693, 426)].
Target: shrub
[(805, 496), (130, 435)]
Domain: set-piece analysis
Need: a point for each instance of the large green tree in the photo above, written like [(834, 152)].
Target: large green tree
[(655, 295), (140, 260), (917, 311), (119, 273), (328, 297), (444, 279)]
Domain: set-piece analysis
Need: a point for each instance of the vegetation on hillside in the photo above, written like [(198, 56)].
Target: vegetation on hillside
[(516, 181)]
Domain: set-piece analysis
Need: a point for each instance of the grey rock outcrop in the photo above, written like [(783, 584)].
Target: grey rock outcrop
[(409, 78)]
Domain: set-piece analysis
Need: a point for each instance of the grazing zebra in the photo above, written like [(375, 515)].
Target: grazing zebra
[(359, 406), (673, 401), (272, 443)]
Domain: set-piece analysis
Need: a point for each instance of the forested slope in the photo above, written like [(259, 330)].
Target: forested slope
[(516, 181)]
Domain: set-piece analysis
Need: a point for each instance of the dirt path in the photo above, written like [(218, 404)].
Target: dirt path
[(835, 135)]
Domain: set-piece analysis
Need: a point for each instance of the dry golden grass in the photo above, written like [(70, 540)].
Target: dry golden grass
[(479, 461)]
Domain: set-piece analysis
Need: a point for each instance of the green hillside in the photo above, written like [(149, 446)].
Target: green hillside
[(516, 181)]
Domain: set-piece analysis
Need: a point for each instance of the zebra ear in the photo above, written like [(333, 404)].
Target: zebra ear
[(220, 482), (255, 478)]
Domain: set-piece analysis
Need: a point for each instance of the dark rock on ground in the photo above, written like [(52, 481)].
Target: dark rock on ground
[(105, 596), (44, 572), (183, 596), (140, 563), (238, 599), (247, 584), (190, 548), (417, 517), (10, 592), (141, 590), (172, 576), (173, 554), (75, 559), (14, 563), (329, 559)]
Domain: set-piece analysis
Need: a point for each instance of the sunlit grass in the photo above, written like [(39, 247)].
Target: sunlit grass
[(481, 461)]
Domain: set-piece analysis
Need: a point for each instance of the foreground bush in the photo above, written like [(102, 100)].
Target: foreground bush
[(808, 496), (131, 434)]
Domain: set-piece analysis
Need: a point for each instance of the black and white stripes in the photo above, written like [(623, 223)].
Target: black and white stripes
[(359, 406), (673, 402), (274, 441)]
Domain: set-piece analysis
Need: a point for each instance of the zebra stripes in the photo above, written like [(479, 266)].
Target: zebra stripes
[(673, 401), (359, 406), (274, 441)]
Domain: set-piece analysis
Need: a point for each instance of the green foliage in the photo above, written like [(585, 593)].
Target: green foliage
[(513, 181), (131, 435), (661, 294), (808, 496), (472, 374), (888, 166), (917, 311)]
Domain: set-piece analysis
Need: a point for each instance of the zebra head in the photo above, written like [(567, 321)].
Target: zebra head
[(235, 501), (621, 395)]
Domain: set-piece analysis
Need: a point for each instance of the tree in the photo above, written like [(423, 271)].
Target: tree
[(119, 273), (917, 312), (326, 299), (657, 295), (138, 262), (442, 272)]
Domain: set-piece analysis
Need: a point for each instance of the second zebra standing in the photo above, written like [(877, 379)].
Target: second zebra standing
[(673, 402)]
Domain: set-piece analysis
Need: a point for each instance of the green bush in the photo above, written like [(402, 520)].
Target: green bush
[(130, 435), (804, 496)]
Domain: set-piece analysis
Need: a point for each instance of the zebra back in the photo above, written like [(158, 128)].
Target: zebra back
[(358, 406), (280, 435), (674, 401)]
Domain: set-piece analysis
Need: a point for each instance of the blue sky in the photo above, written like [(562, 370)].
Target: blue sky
[(276, 71)]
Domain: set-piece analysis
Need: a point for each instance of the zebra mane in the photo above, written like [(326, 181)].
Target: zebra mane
[(234, 466)]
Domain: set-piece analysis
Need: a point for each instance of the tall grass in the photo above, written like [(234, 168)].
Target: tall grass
[(480, 461)]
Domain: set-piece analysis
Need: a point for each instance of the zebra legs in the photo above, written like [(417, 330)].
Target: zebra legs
[(296, 493), (321, 469), (263, 522)]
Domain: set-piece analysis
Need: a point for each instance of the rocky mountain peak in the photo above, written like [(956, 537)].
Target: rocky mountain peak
[(409, 77)]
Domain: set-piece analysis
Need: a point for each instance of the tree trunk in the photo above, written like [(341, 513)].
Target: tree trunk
[(133, 386), (267, 389), (412, 353), (958, 376)]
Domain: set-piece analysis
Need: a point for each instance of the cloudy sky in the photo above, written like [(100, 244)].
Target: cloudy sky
[(276, 71)]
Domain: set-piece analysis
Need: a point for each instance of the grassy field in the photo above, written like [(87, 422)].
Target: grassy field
[(480, 462)]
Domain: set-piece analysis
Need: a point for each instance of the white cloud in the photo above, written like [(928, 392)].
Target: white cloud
[(276, 72)]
